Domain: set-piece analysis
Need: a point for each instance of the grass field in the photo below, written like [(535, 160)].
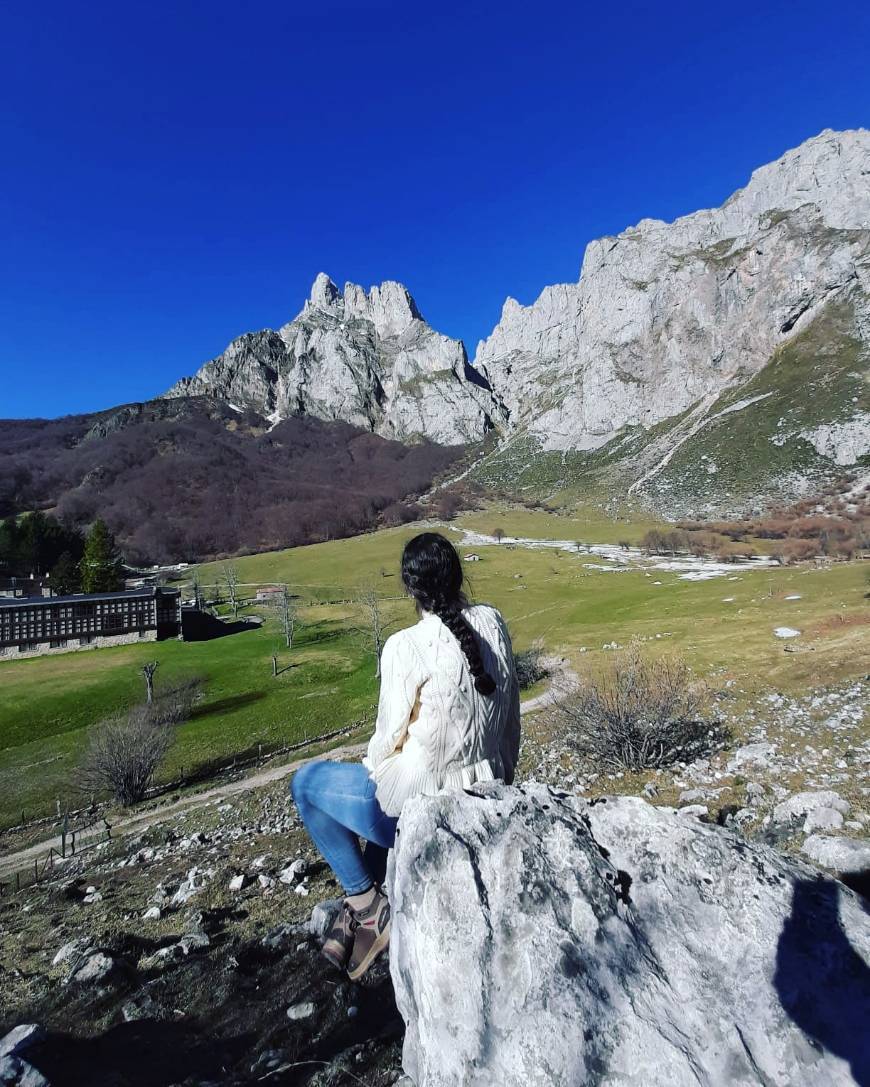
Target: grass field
[(723, 627)]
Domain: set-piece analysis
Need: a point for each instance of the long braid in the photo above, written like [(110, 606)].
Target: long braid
[(448, 608)]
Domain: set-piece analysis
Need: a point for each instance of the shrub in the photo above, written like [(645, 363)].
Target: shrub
[(642, 713), (125, 750), (530, 666), (799, 550), (123, 754)]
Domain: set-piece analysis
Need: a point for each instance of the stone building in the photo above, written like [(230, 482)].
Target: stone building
[(33, 626)]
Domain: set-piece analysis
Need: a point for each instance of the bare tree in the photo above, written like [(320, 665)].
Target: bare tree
[(148, 671), (196, 585), (374, 623), (123, 754), (640, 713), (125, 750), (231, 580), (498, 534), (288, 616)]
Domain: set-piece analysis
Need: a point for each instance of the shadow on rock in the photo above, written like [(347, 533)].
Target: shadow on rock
[(822, 982)]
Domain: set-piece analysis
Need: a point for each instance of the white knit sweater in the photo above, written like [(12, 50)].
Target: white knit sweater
[(434, 729)]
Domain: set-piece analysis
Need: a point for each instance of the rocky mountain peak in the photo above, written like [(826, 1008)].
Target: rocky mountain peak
[(366, 357), (389, 307), (324, 295)]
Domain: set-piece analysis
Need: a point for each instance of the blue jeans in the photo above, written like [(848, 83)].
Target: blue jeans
[(337, 803)]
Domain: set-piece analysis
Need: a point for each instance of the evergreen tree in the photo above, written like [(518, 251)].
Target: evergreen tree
[(100, 566), (35, 531), (65, 575), (10, 545)]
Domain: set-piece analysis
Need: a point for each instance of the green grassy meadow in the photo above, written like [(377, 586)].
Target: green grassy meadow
[(723, 627)]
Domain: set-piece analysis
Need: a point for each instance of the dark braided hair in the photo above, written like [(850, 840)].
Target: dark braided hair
[(432, 574)]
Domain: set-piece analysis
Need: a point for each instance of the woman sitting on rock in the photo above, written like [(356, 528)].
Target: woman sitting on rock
[(448, 716)]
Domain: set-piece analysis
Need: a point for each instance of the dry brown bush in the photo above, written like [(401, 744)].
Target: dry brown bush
[(642, 713), (125, 750), (799, 550)]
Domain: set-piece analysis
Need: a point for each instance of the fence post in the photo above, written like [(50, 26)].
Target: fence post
[(63, 830)]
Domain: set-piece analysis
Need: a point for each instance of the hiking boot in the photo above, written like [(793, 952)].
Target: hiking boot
[(337, 945), (371, 931)]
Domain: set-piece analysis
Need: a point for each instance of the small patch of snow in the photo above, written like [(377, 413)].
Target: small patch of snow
[(786, 632)]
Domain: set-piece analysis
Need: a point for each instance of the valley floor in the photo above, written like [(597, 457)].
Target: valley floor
[(147, 965), (578, 603)]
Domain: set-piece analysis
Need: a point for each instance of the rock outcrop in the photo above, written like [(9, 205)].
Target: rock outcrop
[(367, 358), (539, 939), (666, 315), (679, 336)]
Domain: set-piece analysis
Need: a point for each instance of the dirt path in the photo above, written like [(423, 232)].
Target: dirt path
[(136, 823)]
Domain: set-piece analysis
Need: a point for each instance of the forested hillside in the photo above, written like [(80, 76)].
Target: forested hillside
[(193, 478)]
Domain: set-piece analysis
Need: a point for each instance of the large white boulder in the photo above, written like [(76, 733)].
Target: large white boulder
[(542, 940)]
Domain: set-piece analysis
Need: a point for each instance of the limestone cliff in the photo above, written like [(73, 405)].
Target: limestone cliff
[(670, 321), (367, 358)]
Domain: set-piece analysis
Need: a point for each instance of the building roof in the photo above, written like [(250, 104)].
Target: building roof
[(87, 598)]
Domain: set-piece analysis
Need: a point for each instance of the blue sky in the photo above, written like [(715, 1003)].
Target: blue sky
[(175, 175)]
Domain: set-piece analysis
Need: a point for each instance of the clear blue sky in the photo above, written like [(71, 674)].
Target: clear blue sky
[(176, 174)]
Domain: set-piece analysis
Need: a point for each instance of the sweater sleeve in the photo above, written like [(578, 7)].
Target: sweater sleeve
[(509, 744), (399, 685)]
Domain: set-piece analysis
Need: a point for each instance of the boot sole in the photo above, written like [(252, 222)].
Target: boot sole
[(374, 951)]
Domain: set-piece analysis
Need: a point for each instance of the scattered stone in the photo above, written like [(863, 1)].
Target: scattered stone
[(194, 941), (694, 809), (143, 1007), (151, 914), (294, 872), (801, 804), (758, 754), (20, 1039), (650, 790), (265, 881), (301, 890), (74, 947), (15, 1072), (823, 819), (846, 855), (95, 966), (238, 882), (322, 917), (301, 1011)]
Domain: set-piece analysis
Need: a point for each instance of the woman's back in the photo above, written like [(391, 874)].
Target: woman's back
[(435, 729)]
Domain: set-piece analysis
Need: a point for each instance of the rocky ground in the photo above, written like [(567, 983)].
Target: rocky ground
[(795, 773), (186, 955)]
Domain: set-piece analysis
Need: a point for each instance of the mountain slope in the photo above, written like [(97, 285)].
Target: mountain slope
[(366, 358), (190, 478), (670, 323)]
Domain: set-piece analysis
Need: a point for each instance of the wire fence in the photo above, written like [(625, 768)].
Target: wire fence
[(76, 838)]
